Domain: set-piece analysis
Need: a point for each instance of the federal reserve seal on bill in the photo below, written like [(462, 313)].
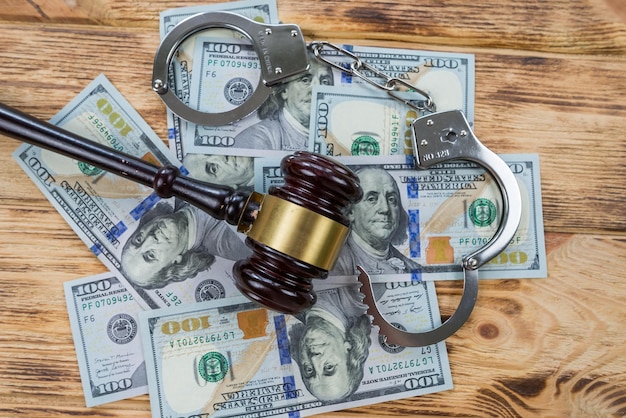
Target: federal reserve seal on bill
[(212, 367), (122, 328), (238, 90)]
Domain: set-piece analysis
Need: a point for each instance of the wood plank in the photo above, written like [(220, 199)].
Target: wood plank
[(538, 102), (45, 11), (531, 346), (577, 26)]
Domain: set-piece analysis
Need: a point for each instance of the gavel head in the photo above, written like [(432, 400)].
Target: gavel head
[(298, 233)]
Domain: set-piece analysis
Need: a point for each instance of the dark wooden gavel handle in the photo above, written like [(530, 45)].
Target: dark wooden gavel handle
[(221, 202), (269, 277)]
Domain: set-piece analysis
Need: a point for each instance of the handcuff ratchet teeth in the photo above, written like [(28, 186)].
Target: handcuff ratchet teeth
[(437, 138)]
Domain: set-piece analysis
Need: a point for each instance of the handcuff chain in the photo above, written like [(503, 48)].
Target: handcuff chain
[(357, 68)]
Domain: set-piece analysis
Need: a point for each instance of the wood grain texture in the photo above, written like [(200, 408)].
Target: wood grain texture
[(524, 103), (559, 26), (550, 78)]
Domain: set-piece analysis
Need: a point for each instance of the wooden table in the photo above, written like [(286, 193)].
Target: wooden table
[(550, 78)]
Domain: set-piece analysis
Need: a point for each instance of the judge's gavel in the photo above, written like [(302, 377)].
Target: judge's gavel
[(295, 231)]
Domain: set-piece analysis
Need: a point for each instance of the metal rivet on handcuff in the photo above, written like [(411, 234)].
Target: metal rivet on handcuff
[(437, 138)]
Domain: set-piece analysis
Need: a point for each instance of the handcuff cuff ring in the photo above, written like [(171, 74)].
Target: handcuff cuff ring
[(439, 138), (282, 56)]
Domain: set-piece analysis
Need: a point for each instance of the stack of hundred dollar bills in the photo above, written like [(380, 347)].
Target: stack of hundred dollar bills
[(167, 320)]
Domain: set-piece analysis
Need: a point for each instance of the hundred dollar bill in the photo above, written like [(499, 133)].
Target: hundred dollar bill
[(165, 251), (231, 358), (104, 319), (418, 224), (215, 57), (282, 123), (382, 128), (264, 11)]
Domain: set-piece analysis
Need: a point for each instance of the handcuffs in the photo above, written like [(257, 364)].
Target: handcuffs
[(437, 137)]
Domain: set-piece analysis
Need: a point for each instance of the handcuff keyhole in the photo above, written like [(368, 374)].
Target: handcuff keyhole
[(450, 136)]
